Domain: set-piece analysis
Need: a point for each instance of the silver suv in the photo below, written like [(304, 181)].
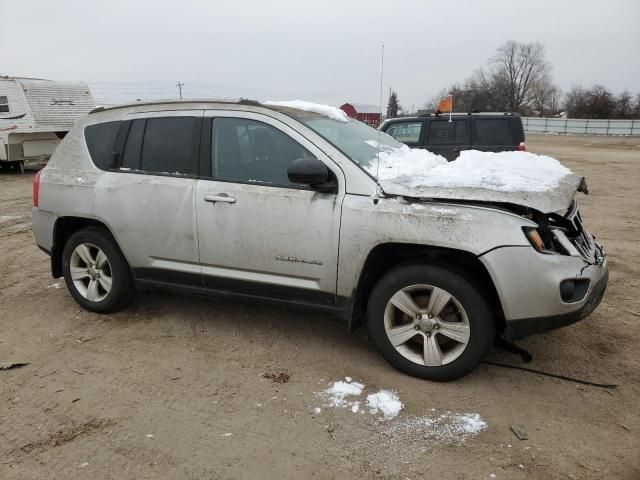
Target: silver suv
[(277, 203)]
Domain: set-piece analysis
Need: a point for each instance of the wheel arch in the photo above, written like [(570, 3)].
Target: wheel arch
[(384, 257), (63, 228)]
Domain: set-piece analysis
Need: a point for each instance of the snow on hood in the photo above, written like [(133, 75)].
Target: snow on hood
[(327, 110), (522, 178)]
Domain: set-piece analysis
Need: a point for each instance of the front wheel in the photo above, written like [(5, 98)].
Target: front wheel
[(95, 271), (430, 322)]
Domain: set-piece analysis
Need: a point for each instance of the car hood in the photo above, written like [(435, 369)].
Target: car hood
[(555, 199)]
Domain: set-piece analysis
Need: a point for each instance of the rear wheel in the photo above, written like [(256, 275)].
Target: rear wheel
[(430, 322), (95, 271)]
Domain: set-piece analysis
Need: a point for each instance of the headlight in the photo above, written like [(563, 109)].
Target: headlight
[(534, 237)]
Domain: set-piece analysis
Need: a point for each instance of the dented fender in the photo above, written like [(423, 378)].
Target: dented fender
[(368, 223)]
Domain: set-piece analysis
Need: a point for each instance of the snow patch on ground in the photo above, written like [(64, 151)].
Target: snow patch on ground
[(338, 392), (386, 402), (327, 110), (346, 394), (502, 171)]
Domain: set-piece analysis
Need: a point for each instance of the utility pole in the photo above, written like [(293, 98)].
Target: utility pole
[(180, 85)]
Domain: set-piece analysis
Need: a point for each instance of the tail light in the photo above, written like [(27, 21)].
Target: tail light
[(522, 147), (36, 188)]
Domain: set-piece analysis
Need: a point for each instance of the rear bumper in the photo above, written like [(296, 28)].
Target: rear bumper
[(524, 327)]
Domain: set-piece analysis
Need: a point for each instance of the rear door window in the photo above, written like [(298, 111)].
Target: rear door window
[(492, 131), (100, 140), (168, 146), (405, 132)]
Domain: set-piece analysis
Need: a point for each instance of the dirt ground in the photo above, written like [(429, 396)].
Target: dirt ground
[(173, 387)]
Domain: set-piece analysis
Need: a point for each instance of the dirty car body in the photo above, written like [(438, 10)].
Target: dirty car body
[(239, 229)]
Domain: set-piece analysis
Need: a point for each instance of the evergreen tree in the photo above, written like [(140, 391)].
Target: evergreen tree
[(393, 107)]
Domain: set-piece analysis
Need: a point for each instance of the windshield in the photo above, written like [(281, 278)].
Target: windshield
[(356, 139)]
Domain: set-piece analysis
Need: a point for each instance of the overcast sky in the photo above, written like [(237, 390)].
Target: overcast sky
[(325, 51)]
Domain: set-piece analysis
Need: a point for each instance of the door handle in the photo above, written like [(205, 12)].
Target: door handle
[(221, 197)]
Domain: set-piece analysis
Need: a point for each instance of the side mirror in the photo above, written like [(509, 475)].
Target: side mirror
[(309, 171)]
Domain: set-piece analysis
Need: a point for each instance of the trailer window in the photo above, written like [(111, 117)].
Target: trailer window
[(4, 104)]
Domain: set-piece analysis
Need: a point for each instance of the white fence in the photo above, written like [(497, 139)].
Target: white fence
[(577, 126)]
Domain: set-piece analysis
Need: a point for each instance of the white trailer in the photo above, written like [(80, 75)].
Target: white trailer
[(35, 114)]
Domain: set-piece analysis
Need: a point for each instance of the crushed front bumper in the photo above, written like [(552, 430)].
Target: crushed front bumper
[(524, 327), (529, 288)]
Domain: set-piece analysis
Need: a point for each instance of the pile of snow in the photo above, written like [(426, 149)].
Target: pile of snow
[(386, 402), (345, 394), (502, 171), (339, 391), (327, 110), (447, 428)]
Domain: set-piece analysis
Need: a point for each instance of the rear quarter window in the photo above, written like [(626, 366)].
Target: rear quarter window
[(493, 132), (100, 140)]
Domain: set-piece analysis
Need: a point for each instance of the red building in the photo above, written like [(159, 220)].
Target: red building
[(369, 114)]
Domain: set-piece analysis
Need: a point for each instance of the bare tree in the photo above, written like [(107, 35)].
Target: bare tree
[(518, 69), (636, 108), (595, 102), (624, 107), (545, 99), (517, 79), (431, 105)]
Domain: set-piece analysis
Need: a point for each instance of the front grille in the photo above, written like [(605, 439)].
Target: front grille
[(579, 237)]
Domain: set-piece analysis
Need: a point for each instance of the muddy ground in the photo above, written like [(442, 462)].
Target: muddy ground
[(173, 387)]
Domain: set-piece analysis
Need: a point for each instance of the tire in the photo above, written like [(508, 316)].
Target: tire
[(88, 284), (426, 336)]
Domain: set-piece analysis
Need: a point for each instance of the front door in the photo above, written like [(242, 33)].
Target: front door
[(258, 233)]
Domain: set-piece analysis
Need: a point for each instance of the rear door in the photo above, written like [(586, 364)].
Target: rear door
[(493, 134), (147, 199), (447, 138)]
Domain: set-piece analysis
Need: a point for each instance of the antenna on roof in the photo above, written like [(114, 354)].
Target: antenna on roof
[(381, 77)]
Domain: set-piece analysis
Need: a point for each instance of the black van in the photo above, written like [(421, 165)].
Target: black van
[(490, 132)]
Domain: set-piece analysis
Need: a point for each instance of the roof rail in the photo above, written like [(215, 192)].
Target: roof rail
[(460, 114)]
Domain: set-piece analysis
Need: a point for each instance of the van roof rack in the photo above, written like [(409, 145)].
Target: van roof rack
[(460, 114)]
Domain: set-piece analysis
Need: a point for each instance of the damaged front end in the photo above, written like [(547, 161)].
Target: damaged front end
[(564, 235)]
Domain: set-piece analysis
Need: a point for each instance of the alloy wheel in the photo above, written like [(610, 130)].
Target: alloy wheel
[(91, 272), (427, 325)]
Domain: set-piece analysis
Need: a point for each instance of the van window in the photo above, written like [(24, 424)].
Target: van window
[(492, 132), (251, 151), (168, 146), (405, 132), (100, 140), (462, 134), (4, 104), (440, 131)]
